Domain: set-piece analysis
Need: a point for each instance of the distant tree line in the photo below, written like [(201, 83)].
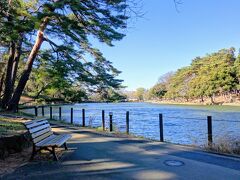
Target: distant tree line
[(216, 74)]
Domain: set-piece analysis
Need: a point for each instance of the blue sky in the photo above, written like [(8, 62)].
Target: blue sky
[(165, 40)]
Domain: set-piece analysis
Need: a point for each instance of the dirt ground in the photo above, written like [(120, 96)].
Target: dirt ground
[(17, 160), (13, 161)]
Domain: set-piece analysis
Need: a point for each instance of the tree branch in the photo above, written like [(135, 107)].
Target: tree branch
[(177, 3)]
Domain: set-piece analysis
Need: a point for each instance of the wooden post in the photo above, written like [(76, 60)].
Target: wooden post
[(161, 127), (127, 122), (110, 121), (51, 112), (36, 111), (71, 115), (43, 113), (103, 120), (83, 117), (209, 124), (60, 113)]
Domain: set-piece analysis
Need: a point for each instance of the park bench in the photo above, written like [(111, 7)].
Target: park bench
[(44, 138)]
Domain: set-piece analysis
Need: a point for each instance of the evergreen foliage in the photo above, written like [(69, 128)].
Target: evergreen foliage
[(215, 74), (56, 36)]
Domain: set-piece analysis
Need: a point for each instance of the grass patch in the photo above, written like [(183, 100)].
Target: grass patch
[(226, 145), (62, 122), (21, 113), (10, 126), (100, 128)]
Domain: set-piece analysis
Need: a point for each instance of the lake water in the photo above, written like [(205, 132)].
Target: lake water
[(182, 124)]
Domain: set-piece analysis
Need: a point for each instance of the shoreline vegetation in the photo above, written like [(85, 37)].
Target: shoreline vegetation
[(213, 79), (153, 101), (190, 103), (210, 80)]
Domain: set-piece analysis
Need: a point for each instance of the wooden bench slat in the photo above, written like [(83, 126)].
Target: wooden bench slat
[(39, 133), (45, 141), (61, 139), (38, 128), (58, 140), (42, 137), (38, 123)]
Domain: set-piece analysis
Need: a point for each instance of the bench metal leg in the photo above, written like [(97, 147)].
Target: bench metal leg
[(33, 153), (54, 154), (65, 145)]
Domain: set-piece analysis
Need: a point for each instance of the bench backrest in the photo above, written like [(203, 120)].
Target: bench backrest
[(38, 129)]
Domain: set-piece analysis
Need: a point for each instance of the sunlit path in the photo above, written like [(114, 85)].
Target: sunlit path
[(97, 156)]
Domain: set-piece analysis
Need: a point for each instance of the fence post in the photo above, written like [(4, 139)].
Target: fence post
[(36, 111), (71, 115), (103, 120), (43, 111), (83, 117), (127, 122), (161, 127), (209, 124), (51, 112), (60, 113), (110, 121)]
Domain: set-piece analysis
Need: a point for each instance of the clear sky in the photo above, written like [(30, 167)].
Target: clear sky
[(165, 40)]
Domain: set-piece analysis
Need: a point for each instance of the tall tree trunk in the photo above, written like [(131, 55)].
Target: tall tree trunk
[(17, 55), (8, 80), (26, 73), (28, 67), (12, 66), (1, 83)]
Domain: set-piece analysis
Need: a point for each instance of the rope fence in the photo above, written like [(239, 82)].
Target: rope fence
[(107, 121)]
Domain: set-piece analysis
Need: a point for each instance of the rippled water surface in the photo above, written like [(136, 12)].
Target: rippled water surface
[(182, 124)]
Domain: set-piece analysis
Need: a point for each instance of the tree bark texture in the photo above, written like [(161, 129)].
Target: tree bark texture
[(8, 80), (28, 67)]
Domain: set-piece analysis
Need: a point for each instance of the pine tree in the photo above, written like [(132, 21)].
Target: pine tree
[(66, 25)]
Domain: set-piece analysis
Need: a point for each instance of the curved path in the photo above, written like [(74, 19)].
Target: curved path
[(96, 156)]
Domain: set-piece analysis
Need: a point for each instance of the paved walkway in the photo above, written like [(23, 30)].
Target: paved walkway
[(94, 156)]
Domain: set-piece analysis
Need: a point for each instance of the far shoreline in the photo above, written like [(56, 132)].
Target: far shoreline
[(148, 101), (192, 104)]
